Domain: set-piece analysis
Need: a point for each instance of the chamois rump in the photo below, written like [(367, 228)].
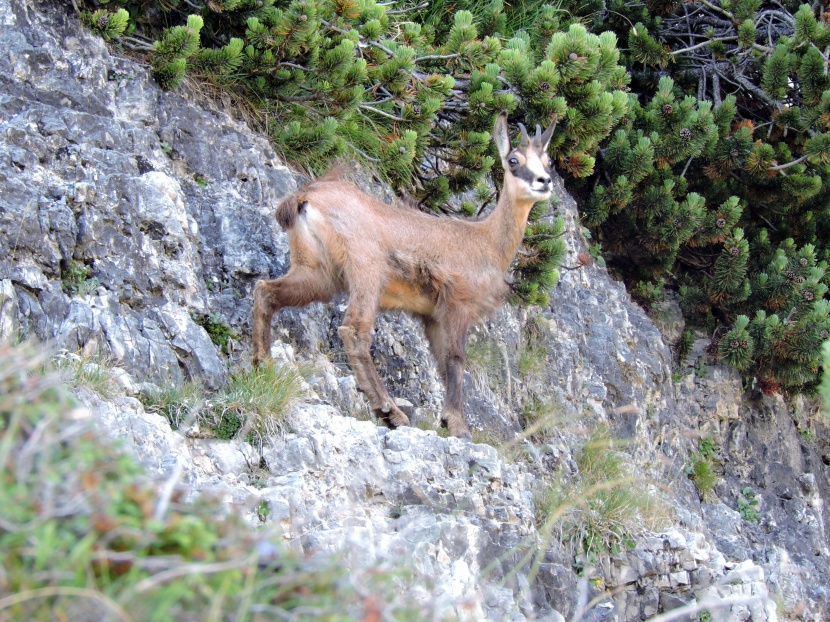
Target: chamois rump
[(448, 272)]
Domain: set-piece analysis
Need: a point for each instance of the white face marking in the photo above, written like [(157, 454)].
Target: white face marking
[(527, 167)]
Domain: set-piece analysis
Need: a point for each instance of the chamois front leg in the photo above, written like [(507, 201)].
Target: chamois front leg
[(454, 363), (299, 287), (357, 339)]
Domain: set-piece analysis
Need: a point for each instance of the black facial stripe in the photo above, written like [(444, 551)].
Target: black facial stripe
[(526, 175), (523, 172)]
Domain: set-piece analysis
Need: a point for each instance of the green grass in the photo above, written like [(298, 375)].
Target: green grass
[(602, 509), (176, 402), (254, 402), (251, 405), (87, 371), (86, 536), (541, 417)]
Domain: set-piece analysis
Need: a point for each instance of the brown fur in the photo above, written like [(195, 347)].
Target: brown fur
[(446, 271)]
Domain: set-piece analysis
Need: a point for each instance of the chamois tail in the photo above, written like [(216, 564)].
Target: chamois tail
[(293, 203), (288, 210)]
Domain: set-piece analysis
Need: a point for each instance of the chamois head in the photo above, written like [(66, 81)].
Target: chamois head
[(528, 164)]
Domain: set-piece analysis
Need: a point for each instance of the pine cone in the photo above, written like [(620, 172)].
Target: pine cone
[(734, 251), (721, 223), (686, 133), (667, 109)]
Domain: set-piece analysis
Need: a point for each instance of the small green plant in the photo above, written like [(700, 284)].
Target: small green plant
[(707, 447), (263, 511), (532, 352), (702, 473), (200, 180), (78, 280), (824, 387), (485, 360), (107, 24), (595, 251), (684, 345), (748, 505), (176, 402), (487, 437), (701, 369), (219, 332), (705, 616)]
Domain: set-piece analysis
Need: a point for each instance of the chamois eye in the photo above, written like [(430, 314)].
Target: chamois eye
[(513, 161)]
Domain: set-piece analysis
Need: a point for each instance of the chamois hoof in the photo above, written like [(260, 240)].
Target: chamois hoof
[(260, 360), (457, 429), (392, 416)]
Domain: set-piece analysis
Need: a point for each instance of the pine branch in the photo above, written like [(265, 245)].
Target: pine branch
[(781, 167), (700, 45)]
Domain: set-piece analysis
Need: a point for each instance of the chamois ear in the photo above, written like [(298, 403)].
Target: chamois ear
[(501, 136), (544, 140)]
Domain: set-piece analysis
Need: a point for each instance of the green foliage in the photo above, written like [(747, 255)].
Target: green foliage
[(80, 370), (702, 473), (86, 536), (78, 280), (707, 447), (218, 331), (105, 23), (536, 270), (824, 388), (702, 468), (684, 346), (721, 191), (748, 505)]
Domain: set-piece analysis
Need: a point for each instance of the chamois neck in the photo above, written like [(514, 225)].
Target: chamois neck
[(506, 224)]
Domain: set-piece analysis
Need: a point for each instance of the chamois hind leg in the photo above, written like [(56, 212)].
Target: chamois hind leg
[(299, 287), (437, 344), (455, 330), (357, 339)]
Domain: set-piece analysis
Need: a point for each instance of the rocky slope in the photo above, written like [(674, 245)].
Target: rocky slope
[(126, 211)]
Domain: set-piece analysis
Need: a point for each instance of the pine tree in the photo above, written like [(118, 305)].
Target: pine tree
[(757, 158)]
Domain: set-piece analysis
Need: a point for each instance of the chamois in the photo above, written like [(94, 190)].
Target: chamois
[(448, 272)]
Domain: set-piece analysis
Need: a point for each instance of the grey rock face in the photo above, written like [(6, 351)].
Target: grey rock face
[(125, 210)]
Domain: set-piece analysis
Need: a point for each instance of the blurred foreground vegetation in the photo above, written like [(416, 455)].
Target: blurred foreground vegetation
[(85, 535)]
